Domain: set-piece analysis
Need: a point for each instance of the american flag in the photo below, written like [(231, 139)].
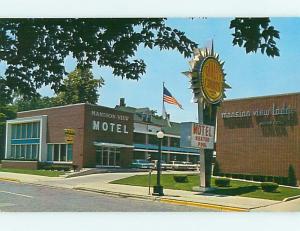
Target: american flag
[(168, 98)]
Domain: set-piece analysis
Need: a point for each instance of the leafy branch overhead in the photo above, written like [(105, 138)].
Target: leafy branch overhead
[(255, 34), (35, 49)]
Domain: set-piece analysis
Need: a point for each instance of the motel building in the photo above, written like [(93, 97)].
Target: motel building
[(86, 135), (259, 135), (255, 136)]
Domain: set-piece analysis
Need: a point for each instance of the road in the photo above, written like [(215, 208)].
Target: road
[(19, 197)]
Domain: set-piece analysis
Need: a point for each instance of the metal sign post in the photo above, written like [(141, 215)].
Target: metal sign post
[(207, 79), (201, 150), (149, 181)]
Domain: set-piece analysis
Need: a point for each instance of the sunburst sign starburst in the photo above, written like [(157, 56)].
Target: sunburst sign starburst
[(207, 76)]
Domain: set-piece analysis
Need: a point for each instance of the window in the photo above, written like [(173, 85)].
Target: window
[(174, 142), (23, 149), (28, 152), (56, 152), (35, 130), (35, 151), (18, 147), (107, 156), (13, 131), (25, 130), (18, 135), (29, 129), (60, 152), (152, 139), (165, 141), (139, 138), (69, 152), (49, 152), (63, 152)]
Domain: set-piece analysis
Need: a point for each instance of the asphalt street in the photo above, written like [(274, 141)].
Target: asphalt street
[(19, 197)]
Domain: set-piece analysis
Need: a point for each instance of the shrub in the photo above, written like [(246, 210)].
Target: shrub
[(180, 178), (248, 177), (291, 181), (262, 178), (234, 175), (227, 174), (222, 182), (57, 167), (270, 178), (269, 186), (216, 171)]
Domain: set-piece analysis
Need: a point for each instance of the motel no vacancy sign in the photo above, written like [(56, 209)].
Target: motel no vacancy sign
[(197, 135)]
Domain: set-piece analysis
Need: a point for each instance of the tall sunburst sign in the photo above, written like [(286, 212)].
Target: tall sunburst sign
[(207, 79)]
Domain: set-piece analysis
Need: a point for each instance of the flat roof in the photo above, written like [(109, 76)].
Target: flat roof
[(68, 105), (263, 96)]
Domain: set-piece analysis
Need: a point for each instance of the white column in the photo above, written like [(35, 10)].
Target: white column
[(8, 140), (43, 139)]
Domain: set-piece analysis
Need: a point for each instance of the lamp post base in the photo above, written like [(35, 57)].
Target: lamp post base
[(158, 190)]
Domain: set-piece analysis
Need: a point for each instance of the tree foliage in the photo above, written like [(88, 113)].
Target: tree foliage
[(80, 87), (35, 50), (36, 102), (6, 113), (255, 34)]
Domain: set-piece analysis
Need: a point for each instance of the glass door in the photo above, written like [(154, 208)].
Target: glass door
[(107, 156)]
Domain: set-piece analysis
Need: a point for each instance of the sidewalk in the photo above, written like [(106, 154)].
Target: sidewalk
[(100, 183)]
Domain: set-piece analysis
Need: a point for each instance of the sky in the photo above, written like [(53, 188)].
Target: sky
[(249, 75)]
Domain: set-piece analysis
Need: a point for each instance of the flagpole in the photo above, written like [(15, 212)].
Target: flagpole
[(163, 102)]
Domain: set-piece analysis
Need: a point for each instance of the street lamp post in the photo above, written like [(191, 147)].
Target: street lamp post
[(158, 189)]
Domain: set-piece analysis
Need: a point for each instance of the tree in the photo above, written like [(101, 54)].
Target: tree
[(292, 180), (79, 87), (254, 34), (6, 113), (34, 50), (36, 102)]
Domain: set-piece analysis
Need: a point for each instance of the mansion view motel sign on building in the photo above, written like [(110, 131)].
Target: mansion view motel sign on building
[(101, 136)]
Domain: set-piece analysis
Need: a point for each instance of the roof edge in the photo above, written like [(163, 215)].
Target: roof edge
[(263, 96)]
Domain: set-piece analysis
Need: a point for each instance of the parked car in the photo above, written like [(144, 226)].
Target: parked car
[(140, 163), (182, 165), (163, 164)]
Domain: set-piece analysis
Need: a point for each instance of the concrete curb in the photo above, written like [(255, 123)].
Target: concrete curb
[(291, 198), (166, 200), (10, 180)]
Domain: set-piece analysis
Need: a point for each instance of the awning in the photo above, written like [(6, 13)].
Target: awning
[(114, 145)]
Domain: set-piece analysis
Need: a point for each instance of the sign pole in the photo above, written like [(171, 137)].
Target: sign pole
[(201, 150)]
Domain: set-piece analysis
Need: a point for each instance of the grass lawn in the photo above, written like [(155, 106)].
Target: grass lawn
[(33, 172), (237, 188)]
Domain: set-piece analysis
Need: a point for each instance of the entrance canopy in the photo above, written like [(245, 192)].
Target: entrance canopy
[(103, 144)]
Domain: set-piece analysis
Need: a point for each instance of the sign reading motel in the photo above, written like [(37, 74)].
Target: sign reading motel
[(197, 135)]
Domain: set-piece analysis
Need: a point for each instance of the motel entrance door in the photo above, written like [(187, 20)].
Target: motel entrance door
[(107, 157)]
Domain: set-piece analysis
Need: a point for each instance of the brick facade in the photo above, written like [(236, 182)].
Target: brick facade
[(259, 135), (33, 165), (80, 118)]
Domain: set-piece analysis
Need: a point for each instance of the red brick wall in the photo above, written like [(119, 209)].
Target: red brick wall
[(79, 117), (91, 135), (20, 164), (60, 118), (246, 146)]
